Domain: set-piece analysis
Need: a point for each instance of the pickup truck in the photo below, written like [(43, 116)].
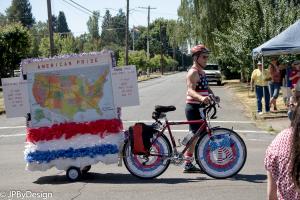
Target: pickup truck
[(213, 73)]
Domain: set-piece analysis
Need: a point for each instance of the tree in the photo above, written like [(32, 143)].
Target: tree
[(15, 43), (140, 41), (232, 28), (107, 35), (93, 25), (137, 58), (39, 30), (54, 23), (253, 23), (3, 19), (20, 11), (159, 37), (172, 30), (44, 47), (67, 45), (118, 23), (113, 29), (93, 36), (62, 25), (81, 41), (201, 18)]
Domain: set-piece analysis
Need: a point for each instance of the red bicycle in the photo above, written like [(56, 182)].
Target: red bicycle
[(219, 152)]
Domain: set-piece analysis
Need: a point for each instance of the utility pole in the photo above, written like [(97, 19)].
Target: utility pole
[(161, 50), (50, 26), (133, 38), (126, 33), (148, 36), (148, 55)]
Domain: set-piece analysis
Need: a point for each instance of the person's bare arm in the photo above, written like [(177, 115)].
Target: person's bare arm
[(191, 79), (252, 85), (293, 77), (271, 70), (252, 81), (271, 187)]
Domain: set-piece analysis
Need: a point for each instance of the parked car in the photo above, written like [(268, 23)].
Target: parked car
[(181, 68), (213, 73)]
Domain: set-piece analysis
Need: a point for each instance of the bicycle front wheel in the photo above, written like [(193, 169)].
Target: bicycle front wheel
[(222, 155), (148, 167)]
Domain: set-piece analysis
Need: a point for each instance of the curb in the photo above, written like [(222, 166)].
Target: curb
[(277, 115), (149, 78)]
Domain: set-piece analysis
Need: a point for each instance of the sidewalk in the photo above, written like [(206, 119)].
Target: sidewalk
[(274, 121), (276, 124)]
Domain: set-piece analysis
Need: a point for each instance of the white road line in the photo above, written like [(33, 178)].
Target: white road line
[(12, 127), (13, 135), (259, 140), (180, 131), (239, 131), (145, 121), (213, 121)]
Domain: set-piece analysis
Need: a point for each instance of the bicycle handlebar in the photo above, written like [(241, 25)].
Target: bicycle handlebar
[(214, 100), (160, 111)]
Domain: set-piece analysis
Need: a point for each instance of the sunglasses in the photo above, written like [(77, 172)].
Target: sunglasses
[(204, 57)]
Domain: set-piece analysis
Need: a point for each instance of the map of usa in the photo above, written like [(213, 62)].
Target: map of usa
[(68, 94), (71, 95)]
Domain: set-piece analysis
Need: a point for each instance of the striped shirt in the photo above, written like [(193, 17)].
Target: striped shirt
[(201, 87)]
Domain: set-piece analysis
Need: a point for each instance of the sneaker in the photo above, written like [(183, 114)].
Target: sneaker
[(190, 168), (260, 113)]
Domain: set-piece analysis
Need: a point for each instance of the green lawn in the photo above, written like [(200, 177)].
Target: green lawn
[(1, 101)]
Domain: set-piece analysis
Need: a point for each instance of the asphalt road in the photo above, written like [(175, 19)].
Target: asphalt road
[(113, 182)]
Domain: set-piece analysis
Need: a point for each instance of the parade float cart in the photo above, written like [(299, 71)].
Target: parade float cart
[(72, 106)]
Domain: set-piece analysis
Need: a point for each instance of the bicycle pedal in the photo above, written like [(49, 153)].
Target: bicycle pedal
[(179, 143), (190, 159)]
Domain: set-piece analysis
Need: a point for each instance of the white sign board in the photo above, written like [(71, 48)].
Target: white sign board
[(125, 88), (15, 95), (75, 89)]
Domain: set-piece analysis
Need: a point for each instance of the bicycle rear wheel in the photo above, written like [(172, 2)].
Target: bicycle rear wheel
[(148, 167), (222, 155)]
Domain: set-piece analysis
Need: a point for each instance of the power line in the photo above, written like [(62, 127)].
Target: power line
[(81, 6), (77, 8), (170, 14), (110, 9)]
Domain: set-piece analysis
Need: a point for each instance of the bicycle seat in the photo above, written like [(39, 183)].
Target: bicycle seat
[(164, 109)]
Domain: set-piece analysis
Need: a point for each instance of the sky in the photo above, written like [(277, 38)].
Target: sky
[(78, 17)]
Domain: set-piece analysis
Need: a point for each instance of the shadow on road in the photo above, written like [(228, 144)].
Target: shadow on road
[(112, 178), (253, 178)]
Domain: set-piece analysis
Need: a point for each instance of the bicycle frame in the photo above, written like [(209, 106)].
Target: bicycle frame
[(220, 152), (204, 127)]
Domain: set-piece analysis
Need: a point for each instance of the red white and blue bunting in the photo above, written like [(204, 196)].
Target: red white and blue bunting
[(73, 144)]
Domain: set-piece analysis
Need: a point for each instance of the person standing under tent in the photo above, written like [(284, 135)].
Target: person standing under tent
[(259, 82), (294, 75), (287, 83), (276, 81)]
